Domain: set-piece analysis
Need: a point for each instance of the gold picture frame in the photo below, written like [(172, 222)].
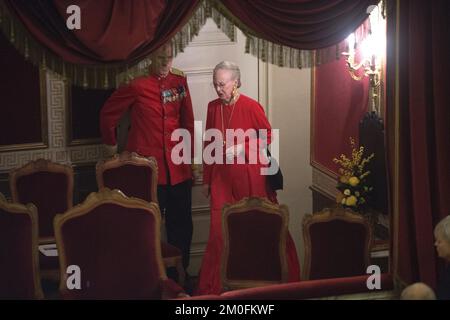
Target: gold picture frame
[(72, 140), (43, 144)]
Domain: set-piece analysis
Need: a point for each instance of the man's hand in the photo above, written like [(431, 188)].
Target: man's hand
[(109, 150)]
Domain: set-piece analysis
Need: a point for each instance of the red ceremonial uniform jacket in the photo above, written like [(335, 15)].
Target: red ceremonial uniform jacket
[(157, 106)]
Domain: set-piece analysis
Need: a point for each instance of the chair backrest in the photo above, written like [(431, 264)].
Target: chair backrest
[(115, 242), (254, 239), (337, 244), (134, 175), (19, 267), (49, 186)]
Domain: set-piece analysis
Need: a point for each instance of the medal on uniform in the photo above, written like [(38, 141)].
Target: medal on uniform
[(173, 94)]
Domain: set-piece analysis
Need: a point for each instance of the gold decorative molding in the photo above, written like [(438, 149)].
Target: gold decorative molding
[(324, 183)]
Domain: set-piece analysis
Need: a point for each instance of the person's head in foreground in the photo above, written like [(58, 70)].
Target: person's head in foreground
[(442, 238), (418, 291)]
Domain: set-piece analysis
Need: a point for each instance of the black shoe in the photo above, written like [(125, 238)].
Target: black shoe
[(189, 284)]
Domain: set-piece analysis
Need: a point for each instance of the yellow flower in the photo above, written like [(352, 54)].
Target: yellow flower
[(344, 179), (352, 173), (353, 181), (351, 201)]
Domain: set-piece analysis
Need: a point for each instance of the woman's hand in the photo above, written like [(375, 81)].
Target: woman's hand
[(234, 151), (205, 190)]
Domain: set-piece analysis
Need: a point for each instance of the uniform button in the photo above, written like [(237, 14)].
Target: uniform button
[(165, 117)]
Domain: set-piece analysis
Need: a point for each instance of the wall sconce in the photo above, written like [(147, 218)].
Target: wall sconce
[(371, 55)]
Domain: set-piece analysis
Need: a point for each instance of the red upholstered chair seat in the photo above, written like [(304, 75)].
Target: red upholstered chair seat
[(19, 271), (337, 244), (254, 234), (115, 242)]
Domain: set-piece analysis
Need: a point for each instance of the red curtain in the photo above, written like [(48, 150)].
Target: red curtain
[(301, 24), (424, 114), (111, 30), (128, 30)]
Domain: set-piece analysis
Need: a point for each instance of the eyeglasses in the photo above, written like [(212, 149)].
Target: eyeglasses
[(220, 85)]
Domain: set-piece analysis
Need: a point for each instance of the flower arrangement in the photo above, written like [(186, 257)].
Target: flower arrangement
[(352, 184)]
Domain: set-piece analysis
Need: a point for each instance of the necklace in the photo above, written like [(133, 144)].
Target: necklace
[(229, 120)]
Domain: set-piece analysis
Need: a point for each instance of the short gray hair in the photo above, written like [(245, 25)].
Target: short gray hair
[(233, 67), (443, 228)]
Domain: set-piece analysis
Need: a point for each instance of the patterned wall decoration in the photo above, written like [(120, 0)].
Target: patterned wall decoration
[(57, 150)]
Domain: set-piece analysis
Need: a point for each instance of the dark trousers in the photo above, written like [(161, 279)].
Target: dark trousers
[(175, 204)]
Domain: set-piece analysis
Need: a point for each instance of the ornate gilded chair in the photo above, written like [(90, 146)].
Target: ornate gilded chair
[(19, 267), (137, 176), (337, 244), (49, 186), (113, 242), (254, 240), (134, 175)]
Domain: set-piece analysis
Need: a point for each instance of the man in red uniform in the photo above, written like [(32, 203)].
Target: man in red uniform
[(159, 104)]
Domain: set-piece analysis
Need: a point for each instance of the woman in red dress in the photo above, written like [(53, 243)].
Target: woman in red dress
[(229, 183)]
